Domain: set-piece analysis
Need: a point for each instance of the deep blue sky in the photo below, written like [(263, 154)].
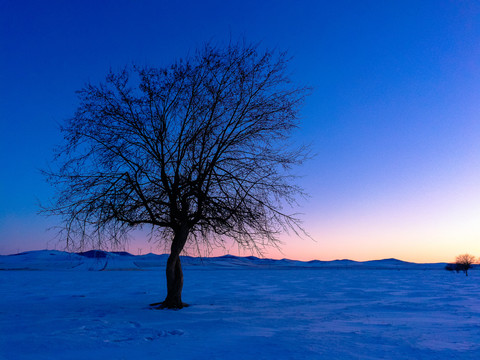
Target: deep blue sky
[(394, 116)]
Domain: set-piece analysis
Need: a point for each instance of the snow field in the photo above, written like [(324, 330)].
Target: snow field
[(241, 313)]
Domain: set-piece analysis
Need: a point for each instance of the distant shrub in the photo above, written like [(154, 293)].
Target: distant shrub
[(451, 267)]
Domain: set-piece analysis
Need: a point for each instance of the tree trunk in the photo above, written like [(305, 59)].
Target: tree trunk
[(174, 272)]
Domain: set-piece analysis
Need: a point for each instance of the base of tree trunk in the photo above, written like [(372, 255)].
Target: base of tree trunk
[(168, 305)]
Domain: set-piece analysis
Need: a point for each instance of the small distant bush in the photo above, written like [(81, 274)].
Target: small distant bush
[(451, 267)]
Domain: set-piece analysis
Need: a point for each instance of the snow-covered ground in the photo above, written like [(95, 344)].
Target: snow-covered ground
[(52, 307)]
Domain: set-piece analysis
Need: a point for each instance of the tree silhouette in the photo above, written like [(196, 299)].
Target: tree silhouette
[(464, 262), (197, 152)]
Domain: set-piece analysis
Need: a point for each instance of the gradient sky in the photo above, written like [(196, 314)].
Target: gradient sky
[(394, 117)]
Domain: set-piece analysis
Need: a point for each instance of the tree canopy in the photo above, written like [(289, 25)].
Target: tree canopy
[(198, 152)]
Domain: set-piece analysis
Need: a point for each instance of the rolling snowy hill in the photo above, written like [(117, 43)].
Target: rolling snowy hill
[(101, 260)]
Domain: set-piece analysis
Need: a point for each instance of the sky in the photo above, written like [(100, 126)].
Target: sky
[(394, 117)]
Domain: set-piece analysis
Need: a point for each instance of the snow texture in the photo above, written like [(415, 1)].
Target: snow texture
[(52, 307)]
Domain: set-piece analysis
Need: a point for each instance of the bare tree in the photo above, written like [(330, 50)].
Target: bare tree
[(464, 263), (197, 152)]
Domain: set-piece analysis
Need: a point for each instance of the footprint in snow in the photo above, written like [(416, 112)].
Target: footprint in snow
[(135, 324), (165, 333)]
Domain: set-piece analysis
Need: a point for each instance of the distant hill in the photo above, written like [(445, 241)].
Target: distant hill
[(100, 260)]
